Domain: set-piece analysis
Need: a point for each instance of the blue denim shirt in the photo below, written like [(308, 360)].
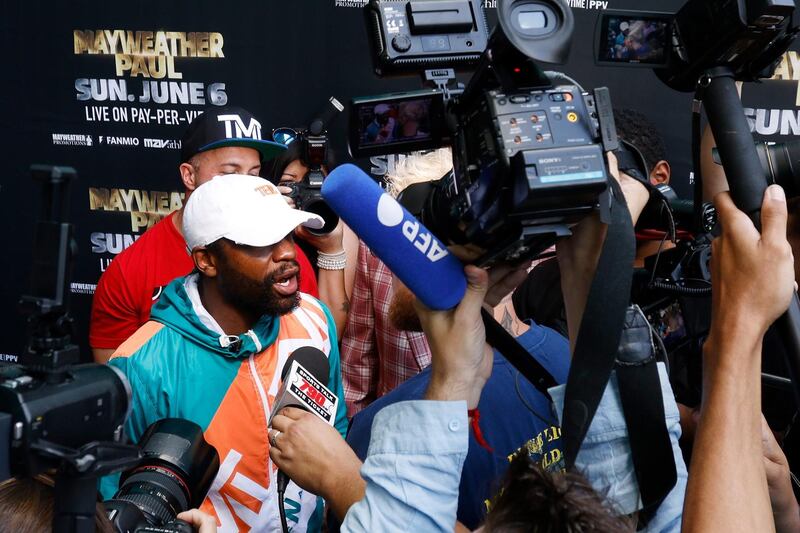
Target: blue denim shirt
[(417, 451)]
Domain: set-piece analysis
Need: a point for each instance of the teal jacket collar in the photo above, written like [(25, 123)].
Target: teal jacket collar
[(174, 309)]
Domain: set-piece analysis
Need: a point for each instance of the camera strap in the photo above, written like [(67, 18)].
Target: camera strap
[(595, 357)]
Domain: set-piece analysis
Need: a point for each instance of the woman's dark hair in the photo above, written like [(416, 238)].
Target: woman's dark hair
[(296, 151), (533, 500)]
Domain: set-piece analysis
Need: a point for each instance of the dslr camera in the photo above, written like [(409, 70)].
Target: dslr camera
[(528, 148), (313, 142), (174, 476)]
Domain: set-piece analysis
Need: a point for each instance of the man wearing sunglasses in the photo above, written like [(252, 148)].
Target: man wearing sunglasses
[(220, 141)]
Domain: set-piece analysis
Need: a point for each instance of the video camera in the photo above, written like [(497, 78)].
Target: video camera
[(313, 142), (56, 415), (704, 47), (527, 149)]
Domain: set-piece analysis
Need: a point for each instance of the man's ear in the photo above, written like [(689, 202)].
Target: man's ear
[(188, 176), (660, 173), (205, 261)]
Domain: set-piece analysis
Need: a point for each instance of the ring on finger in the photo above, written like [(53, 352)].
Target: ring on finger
[(273, 438)]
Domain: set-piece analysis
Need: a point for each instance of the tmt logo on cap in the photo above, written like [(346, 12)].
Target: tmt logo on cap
[(235, 128)]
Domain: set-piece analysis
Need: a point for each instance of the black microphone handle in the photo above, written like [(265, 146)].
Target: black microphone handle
[(283, 482), (747, 184)]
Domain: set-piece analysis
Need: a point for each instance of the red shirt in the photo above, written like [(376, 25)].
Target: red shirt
[(133, 282)]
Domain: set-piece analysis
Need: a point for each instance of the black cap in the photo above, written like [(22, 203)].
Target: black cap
[(218, 127)]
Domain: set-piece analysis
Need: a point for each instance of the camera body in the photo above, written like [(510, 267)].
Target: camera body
[(314, 144), (528, 150), (89, 403)]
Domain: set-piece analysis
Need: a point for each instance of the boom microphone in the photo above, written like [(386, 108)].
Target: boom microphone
[(410, 251)]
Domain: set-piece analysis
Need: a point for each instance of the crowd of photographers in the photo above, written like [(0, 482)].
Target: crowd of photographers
[(433, 429)]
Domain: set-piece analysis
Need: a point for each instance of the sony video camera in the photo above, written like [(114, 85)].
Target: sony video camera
[(174, 476), (314, 154), (527, 149)]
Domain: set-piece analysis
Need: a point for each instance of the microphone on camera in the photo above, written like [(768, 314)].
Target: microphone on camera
[(304, 376), (407, 247)]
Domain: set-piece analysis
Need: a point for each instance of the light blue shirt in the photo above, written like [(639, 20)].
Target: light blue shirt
[(413, 468), (605, 457), (417, 451)]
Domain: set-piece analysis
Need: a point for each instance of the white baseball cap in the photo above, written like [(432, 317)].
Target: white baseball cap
[(244, 209)]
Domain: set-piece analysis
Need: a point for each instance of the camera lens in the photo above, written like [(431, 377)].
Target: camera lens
[(319, 207), (781, 164), (176, 473)]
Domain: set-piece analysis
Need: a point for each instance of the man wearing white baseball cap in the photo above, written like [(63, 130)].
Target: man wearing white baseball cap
[(221, 140), (218, 339)]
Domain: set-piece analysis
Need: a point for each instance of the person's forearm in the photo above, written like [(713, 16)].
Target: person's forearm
[(348, 489), (785, 509), (727, 488), (332, 292)]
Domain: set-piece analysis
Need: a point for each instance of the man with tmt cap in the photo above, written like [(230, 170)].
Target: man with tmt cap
[(220, 141), (218, 339)]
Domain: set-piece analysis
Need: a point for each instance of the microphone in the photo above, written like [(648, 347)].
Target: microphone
[(304, 377), (407, 247)]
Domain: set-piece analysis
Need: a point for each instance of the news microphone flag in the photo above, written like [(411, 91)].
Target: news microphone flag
[(410, 251), (304, 376)]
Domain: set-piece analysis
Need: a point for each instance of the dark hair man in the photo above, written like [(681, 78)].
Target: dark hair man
[(220, 141), (218, 339)]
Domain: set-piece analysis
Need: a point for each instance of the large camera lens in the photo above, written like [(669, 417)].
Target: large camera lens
[(176, 473), (318, 206), (781, 164)]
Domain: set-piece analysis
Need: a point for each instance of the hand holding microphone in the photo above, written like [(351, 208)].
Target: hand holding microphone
[(316, 457), (304, 444)]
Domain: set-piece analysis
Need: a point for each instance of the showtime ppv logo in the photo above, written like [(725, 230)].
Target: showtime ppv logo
[(171, 144), (391, 214)]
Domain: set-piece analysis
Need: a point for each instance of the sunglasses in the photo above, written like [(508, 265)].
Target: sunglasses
[(284, 135)]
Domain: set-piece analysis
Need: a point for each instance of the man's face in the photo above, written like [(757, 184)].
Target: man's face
[(259, 280), (227, 160)]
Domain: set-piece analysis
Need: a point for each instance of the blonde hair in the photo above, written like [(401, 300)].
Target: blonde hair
[(419, 167)]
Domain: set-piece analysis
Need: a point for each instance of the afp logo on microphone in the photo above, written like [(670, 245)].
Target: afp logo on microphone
[(391, 214)]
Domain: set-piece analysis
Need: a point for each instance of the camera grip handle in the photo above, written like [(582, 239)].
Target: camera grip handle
[(735, 143)]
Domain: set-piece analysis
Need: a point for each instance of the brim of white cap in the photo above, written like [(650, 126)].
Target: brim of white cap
[(268, 232)]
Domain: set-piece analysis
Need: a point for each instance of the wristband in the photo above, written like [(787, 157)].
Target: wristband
[(336, 261)]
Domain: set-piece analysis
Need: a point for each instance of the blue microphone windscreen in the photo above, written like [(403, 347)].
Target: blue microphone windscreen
[(410, 251)]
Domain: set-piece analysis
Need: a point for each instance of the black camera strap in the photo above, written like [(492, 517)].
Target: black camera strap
[(595, 357)]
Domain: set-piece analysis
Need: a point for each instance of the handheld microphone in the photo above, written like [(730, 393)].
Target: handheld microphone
[(407, 247), (304, 377)]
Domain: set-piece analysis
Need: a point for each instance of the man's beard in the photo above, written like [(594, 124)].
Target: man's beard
[(402, 314), (258, 298)]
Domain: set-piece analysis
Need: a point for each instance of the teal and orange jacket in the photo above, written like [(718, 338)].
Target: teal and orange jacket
[(180, 368)]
